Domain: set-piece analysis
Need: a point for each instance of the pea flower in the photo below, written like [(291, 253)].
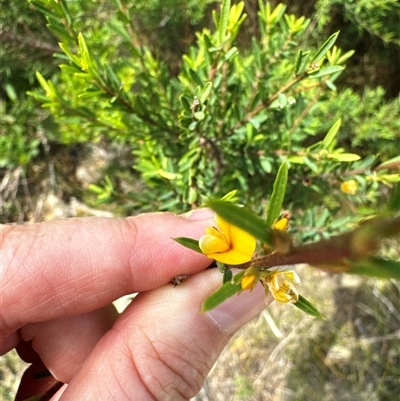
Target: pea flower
[(282, 224), (281, 285), (349, 187), (227, 243), (250, 278)]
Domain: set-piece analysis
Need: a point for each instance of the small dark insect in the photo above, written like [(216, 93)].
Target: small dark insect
[(179, 279)]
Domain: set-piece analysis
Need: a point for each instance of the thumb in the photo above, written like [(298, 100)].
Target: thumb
[(163, 346)]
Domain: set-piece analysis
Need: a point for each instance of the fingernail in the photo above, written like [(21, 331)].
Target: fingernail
[(236, 311), (199, 214)]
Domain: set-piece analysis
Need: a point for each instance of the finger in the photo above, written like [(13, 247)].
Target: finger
[(64, 344), (74, 266), (162, 347)]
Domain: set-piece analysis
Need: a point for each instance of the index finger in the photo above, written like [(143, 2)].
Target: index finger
[(74, 266)]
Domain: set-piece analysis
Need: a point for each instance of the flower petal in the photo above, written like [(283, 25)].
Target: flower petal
[(224, 227), (286, 293), (231, 257), (248, 282), (209, 244), (242, 241), (282, 224), (216, 233), (292, 276)]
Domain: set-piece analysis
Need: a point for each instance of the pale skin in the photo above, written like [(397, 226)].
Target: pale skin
[(58, 283)]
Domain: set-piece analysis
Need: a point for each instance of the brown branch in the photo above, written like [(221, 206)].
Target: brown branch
[(356, 244)]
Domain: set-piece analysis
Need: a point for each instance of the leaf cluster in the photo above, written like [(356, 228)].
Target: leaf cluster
[(226, 121)]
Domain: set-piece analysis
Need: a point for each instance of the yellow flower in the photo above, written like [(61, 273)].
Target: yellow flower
[(250, 278), (281, 224), (281, 286), (227, 243), (349, 187)]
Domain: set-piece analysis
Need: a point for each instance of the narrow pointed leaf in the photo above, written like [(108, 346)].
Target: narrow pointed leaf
[(331, 135), (344, 157), (44, 84), (84, 53), (278, 194), (223, 20), (325, 47), (242, 218), (223, 293), (205, 93), (306, 306), (230, 196), (326, 71), (297, 62), (301, 60), (190, 243)]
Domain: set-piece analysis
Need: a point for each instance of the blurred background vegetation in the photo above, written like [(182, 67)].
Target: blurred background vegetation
[(88, 154)]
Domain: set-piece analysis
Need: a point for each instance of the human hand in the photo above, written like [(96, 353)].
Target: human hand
[(59, 279)]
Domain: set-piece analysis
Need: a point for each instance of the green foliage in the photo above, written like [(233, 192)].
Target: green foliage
[(380, 18), (226, 122), (369, 123), (278, 194), (18, 147), (20, 56)]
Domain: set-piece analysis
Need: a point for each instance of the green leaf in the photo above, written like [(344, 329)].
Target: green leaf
[(44, 10), (344, 157), (242, 218), (223, 20), (325, 47), (330, 137), (278, 194), (230, 196), (224, 292), (232, 52), (301, 60), (185, 103), (306, 306), (274, 16), (66, 12), (227, 276), (190, 243), (84, 52), (326, 71), (376, 267), (68, 52), (46, 85), (199, 115), (194, 77), (205, 92)]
